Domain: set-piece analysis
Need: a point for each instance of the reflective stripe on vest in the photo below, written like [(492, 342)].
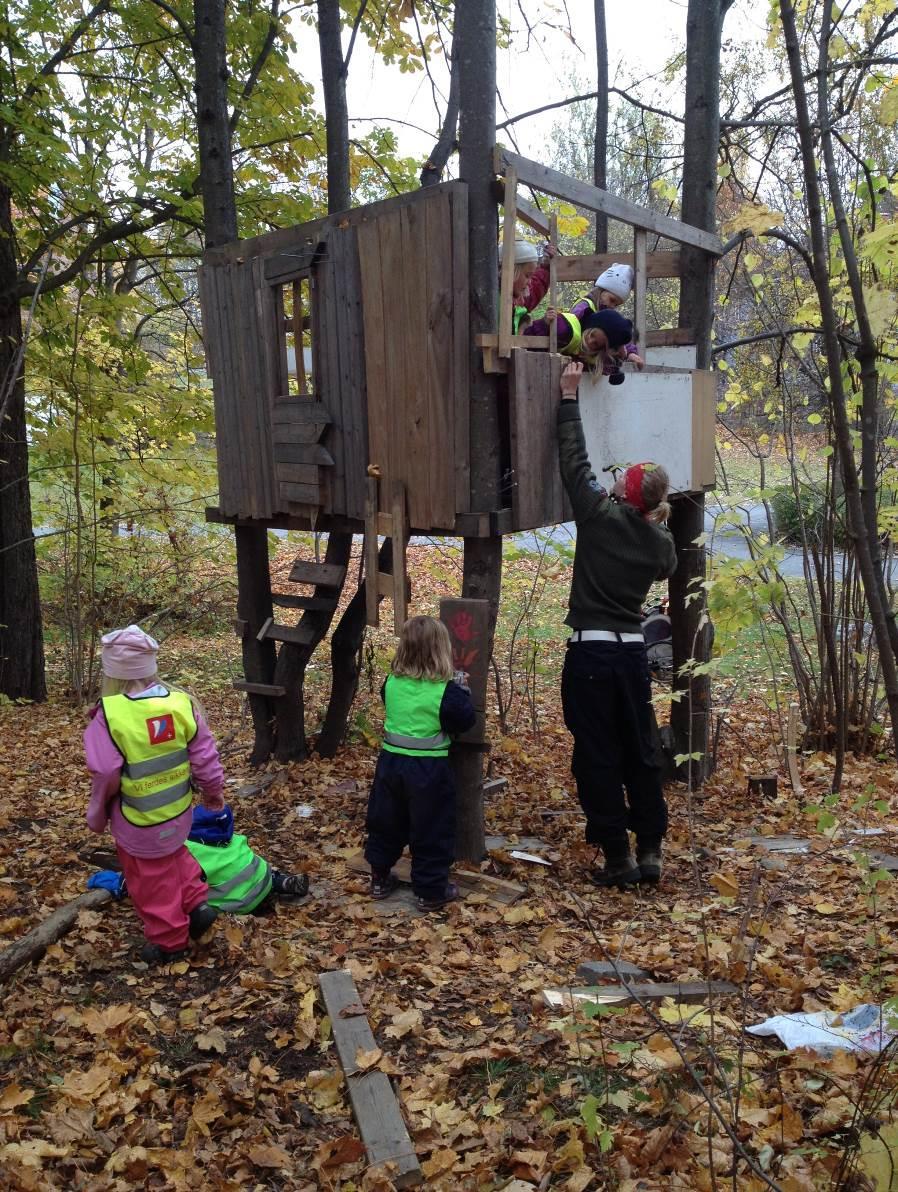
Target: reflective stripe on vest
[(572, 347), (152, 733), (412, 722), (238, 879)]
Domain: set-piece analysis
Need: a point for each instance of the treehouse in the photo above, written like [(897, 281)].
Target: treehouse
[(375, 436)]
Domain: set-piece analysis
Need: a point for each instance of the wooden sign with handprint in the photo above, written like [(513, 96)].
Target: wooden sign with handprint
[(468, 625)]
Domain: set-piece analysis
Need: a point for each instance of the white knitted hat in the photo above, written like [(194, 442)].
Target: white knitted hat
[(617, 280)]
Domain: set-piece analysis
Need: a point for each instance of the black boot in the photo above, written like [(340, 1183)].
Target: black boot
[(153, 954), (620, 871), (648, 858), (201, 919)]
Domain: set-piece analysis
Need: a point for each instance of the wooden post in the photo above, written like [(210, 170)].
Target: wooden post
[(297, 338), (639, 291), (468, 622), (372, 615), (506, 290), (553, 284), (400, 578)]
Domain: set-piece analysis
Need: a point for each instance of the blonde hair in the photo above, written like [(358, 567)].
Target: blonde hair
[(424, 651), (113, 686), (655, 485)]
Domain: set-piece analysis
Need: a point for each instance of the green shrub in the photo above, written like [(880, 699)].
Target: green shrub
[(789, 515)]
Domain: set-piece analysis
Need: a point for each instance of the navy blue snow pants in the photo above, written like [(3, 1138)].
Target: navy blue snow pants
[(412, 802)]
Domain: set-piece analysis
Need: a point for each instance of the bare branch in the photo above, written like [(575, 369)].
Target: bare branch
[(67, 46), (355, 29), (261, 58), (756, 339)]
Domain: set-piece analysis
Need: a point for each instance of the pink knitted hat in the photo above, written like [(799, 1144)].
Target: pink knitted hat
[(129, 653)]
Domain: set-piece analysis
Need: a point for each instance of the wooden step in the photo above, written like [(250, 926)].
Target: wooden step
[(317, 604), (296, 635), (271, 689), (325, 575)]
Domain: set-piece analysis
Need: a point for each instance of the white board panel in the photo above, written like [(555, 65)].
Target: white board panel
[(649, 417)]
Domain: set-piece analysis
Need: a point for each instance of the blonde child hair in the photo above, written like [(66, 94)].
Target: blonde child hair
[(655, 485), (424, 650)]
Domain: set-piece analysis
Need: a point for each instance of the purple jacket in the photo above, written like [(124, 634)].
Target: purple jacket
[(105, 764)]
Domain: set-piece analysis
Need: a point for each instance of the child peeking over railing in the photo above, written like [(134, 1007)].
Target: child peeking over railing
[(598, 338)]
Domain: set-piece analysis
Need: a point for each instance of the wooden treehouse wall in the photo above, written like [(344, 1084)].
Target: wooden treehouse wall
[(389, 333)]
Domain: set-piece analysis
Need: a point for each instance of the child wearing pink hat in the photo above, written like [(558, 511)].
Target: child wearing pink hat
[(147, 745)]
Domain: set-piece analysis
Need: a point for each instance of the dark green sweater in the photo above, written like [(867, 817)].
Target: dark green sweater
[(619, 554)]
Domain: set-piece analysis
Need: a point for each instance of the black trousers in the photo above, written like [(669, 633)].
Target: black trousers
[(605, 694), (412, 802)]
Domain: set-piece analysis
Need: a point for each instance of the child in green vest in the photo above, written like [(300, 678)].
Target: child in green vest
[(240, 882), (412, 799)]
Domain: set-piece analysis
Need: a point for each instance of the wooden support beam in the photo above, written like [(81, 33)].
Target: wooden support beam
[(639, 289), (372, 573), (506, 281), (400, 574), (526, 212), (553, 283), (374, 1105), (588, 268), (582, 194), (272, 690)]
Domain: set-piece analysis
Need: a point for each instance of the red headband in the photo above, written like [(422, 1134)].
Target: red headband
[(633, 486)]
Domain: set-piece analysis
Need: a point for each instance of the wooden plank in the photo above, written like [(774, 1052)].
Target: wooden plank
[(639, 288), (319, 604), (588, 267), (497, 890), (300, 494), (461, 349), (297, 327), (270, 301), (506, 277), (553, 283), (374, 1105), (289, 473), (302, 453), (325, 305), (298, 410), (439, 361), (400, 575), (688, 992), (272, 690), (467, 621), (265, 349), (354, 417), (286, 266), (538, 497), (290, 435), (340, 383), (375, 343), (372, 574), (412, 431), (592, 972), (322, 575), (296, 635), (704, 411), (493, 786), (670, 337), (582, 194)]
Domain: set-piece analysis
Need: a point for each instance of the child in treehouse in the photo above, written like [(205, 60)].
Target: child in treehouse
[(598, 338), (530, 281), (611, 290)]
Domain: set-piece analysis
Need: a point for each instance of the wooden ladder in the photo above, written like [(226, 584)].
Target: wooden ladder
[(319, 575), (392, 525)]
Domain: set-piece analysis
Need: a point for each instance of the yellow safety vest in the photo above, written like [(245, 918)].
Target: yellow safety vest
[(152, 734), (575, 343)]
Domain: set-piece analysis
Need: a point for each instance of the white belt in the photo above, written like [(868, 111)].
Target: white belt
[(603, 635)]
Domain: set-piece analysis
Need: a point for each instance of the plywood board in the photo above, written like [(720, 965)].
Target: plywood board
[(538, 497), (496, 889), (374, 1105), (439, 360)]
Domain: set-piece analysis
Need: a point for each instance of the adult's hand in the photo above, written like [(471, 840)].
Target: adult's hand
[(570, 380)]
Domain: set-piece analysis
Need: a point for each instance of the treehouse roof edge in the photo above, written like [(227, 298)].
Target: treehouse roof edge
[(283, 239), (584, 194)]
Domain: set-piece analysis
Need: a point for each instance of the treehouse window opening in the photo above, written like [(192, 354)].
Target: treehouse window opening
[(298, 323)]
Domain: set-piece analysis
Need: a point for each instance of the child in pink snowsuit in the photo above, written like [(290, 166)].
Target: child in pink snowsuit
[(147, 745)]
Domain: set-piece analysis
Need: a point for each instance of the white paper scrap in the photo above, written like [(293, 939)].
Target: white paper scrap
[(519, 856)]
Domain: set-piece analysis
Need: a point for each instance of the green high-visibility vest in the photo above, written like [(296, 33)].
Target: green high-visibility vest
[(517, 315), (412, 721), (238, 879), (152, 734)]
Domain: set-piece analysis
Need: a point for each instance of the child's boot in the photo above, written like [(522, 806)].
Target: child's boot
[(154, 954), (201, 919), (450, 894), (289, 885), (383, 883), (619, 870)]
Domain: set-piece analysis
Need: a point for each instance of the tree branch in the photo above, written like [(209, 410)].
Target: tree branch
[(756, 339), (355, 29), (67, 46), (256, 69), (186, 31), (432, 170)]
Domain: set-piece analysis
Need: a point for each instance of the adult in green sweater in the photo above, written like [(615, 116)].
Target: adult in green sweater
[(622, 548)]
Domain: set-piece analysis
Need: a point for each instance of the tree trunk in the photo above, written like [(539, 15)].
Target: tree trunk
[(21, 635), (220, 225), (290, 671), (475, 47), (600, 144), (690, 718), (861, 532), (346, 645)]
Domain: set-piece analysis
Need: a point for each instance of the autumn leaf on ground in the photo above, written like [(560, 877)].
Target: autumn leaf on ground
[(725, 885), (13, 1097), (402, 1023), (325, 1088), (352, 1010), (269, 1156), (439, 1163), (366, 1060), (212, 1040)]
